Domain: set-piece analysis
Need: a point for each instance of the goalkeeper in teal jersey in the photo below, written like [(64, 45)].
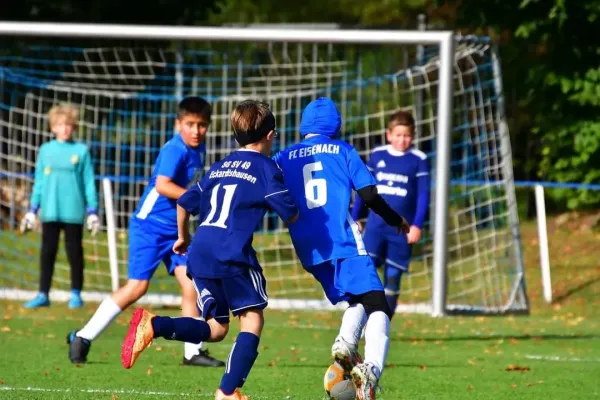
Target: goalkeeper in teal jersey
[(64, 191)]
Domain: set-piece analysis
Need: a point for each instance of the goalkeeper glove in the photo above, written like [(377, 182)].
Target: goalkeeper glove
[(93, 222), (28, 221)]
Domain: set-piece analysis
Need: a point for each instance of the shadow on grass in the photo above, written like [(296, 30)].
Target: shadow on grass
[(564, 296)]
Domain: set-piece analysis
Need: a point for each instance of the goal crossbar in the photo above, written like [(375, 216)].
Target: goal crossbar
[(445, 40)]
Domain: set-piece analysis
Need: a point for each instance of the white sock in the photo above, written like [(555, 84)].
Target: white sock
[(353, 321), (104, 315), (377, 340), (191, 349)]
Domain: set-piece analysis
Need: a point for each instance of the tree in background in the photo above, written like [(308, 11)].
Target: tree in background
[(549, 50), (550, 54)]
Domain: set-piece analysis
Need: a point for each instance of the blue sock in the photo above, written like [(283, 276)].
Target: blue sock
[(183, 329), (392, 279), (240, 361), (76, 292)]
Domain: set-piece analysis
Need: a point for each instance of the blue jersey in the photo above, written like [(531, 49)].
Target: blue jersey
[(321, 174), (182, 164), (231, 201), (403, 181)]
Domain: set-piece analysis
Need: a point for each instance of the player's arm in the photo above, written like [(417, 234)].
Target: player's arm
[(359, 208), (38, 183), (375, 202), (366, 187), (28, 221), (423, 184), (170, 159), (187, 204), (278, 198)]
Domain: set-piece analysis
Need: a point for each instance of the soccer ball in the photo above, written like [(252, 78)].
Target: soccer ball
[(344, 390), (337, 385)]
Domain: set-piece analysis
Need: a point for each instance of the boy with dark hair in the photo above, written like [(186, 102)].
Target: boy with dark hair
[(153, 231), (231, 201)]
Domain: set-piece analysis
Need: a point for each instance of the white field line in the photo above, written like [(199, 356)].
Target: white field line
[(113, 391), (561, 359)]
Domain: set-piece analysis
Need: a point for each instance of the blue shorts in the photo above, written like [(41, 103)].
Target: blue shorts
[(394, 251), (343, 278), (148, 246), (218, 296)]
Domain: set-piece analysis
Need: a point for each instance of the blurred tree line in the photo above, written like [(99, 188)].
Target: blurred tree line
[(549, 48)]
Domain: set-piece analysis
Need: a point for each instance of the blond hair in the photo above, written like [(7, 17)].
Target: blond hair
[(63, 110), (403, 118), (249, 115)]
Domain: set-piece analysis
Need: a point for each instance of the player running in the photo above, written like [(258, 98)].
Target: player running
[(231, 201), (321, 173), (153, 231)]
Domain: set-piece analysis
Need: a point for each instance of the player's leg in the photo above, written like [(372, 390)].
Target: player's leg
[(144, 258), (74, 247), (247, 297), (397, 259), (193, 352), (345, 346), (144, 327), (358, 276), (50, 236)]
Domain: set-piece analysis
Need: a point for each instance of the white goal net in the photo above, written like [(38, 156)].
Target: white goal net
[(127, 92)]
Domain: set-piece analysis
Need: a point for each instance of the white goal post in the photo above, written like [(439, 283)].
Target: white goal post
[(445, 42)]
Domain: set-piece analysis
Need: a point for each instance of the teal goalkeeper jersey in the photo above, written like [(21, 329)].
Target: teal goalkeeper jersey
[(64, 187)]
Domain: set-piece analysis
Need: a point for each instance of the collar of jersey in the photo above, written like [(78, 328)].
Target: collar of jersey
[(252, 150), (396, 153)]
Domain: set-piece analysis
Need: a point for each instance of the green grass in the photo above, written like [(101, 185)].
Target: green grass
[(552, 354)]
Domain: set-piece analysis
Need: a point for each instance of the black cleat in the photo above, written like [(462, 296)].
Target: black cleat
[(78, 348), (203, 359)]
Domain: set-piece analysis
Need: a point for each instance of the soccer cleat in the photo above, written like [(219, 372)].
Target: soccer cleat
[(78, 348), (345, 354), (203, 359), (365, 380), (75, 301), (139, 337), (41, 300), (237, 395)]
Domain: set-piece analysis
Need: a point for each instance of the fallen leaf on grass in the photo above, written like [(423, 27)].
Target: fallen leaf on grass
[(514, 385), (5, 329), (422, 367), (514, 367), (470, 387), (149, 372)]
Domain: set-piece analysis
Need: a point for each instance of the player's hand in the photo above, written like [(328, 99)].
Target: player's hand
[(93, 224), (414, 235), (28, 222), (404, 226), (361, 226), (181, 245)]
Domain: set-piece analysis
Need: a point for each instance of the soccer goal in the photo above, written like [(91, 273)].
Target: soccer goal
[(127, 80)]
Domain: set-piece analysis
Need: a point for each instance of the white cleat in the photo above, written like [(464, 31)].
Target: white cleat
[(365, 380), (345, 354)]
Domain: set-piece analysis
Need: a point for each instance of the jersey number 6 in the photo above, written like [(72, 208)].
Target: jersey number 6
[(315, 189)]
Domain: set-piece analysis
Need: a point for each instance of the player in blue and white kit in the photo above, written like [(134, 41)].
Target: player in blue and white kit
[(402, 174), (153, 231), (321, 174), (231, 201)]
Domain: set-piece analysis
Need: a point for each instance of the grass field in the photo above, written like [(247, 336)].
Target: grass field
[(552, 354)]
